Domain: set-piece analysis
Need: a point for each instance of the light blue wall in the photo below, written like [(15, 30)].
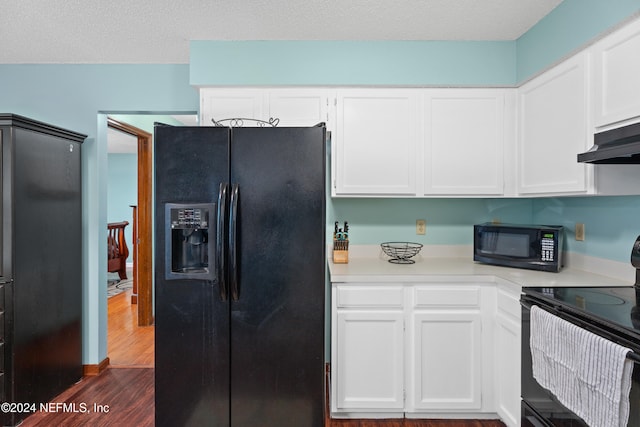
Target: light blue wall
[(78, 97), (611, 223), (449, 221), (122, 192), (570, 26), (406, 63)]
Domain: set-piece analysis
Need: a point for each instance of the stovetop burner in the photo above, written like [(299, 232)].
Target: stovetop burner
[(617, 305)]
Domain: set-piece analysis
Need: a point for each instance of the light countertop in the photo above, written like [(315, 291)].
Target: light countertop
[(376, 269)]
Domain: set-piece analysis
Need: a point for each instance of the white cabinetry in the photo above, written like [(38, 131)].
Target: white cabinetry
[(299, 107), (617, 76), (553, 129), (414, 350), (292, 107), (465, 133), (368, 350), (219, 104), (507, 355), (445, 372), (375, 144), (425, 142)]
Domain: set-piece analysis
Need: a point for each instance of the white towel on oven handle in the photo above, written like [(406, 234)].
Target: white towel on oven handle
[(588, 374)]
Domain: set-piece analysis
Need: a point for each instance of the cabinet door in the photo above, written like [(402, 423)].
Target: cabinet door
[(617, 76), (508, 369), (553, 129), (369, 368), (447, 361), (298, 107), (375, 142), (220, 104), (464, 132)]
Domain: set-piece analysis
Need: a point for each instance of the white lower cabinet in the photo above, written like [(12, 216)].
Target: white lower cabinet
[(412, 350), (446, 373), (367, 350), (370, 360), (507, 356)]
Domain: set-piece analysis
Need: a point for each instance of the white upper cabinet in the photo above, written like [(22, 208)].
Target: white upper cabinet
[(220, 104), (464, 139), (617, 76), (465, 142), (298, 107), (375, 142), (421, 142), (553, 123), (284, 106)]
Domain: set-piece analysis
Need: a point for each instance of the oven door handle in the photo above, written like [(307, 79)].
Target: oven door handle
[(527, 304), (634, 357)]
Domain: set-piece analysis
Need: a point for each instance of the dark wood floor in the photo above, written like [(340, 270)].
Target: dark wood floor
[(123, 395), (126, 393)]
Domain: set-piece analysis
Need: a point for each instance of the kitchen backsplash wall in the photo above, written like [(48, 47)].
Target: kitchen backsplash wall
[(449, 221), (611, 223)]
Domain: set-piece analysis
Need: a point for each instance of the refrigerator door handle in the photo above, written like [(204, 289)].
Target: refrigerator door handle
[(233, 234), (220, 240)]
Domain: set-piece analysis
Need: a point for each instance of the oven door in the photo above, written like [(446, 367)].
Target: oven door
[(540, 408)]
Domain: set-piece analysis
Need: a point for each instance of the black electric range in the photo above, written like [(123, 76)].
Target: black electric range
[(617, 308), (611, 312)]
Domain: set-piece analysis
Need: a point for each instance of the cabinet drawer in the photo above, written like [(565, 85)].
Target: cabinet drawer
[(447, 296), (370, 296)]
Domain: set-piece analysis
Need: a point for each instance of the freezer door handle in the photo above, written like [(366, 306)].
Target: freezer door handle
[(220, 240), (233, 237)]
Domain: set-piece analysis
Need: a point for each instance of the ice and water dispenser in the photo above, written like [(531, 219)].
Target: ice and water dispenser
[(190, 241)]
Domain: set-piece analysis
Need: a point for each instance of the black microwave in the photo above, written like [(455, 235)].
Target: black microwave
[(536, 247)]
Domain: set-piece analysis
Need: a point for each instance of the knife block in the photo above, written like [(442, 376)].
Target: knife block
[(340, 251)]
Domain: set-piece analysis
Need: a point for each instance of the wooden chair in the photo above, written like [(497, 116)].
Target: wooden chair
[(117, 249)]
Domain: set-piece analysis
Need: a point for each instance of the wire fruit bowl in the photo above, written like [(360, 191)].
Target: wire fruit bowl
[(401, 252)]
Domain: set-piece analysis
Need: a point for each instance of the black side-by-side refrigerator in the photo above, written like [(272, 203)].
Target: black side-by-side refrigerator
[(239, 276)]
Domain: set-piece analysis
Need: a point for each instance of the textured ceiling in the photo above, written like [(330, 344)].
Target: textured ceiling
[(159, 31)]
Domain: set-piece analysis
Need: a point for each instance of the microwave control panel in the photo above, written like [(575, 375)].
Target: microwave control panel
[(548, 250)]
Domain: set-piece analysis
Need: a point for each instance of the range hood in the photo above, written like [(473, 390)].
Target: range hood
[(615, 146)]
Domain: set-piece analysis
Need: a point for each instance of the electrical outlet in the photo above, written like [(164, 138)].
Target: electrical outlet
[(421, 226), (579, 231)]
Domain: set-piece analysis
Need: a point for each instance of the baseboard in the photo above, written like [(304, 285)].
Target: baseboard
[(93, 370)]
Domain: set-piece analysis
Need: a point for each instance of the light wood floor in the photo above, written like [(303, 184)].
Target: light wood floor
[(127, 344), (126, 388)]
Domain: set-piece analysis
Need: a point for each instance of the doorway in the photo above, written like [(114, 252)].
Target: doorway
[(142, 223)]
